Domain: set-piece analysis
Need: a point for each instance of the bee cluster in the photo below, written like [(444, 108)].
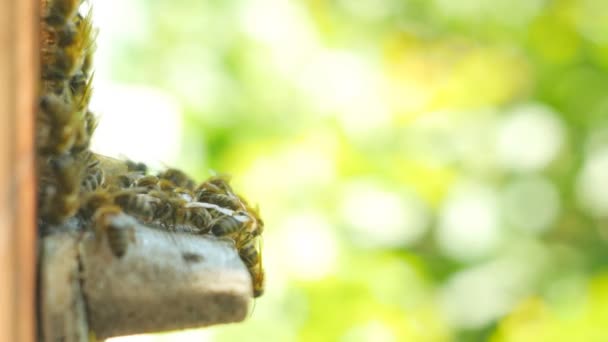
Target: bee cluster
[(73, 182), (171, 201), (64, 124)]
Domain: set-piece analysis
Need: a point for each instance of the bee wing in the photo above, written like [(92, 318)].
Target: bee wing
[(211, 206)]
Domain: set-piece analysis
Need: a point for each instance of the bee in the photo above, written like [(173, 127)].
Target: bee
[(136, 167), (249, 248), (230, 224), (61, 199), (199, 218), (166, 185), (248, 251), (179, 178), (116, 226), (183, 193), (258, 275), (63, 123), (221, 182), (149, 182), (167, 209), (63, 63), (59, 12), (85, 132), (93, 180), (223, 200), (141, 205), (94, 201)]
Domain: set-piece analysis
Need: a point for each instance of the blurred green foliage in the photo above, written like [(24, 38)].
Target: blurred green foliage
[(427, 170)]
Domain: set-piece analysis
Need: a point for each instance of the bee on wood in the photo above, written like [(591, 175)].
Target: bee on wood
[(184, 194), (177, 177), (95, 200), (199, 218), (85, 132), (250, 251), (93, 179), (223, 200), (166, 185), (140, 205), (257, 275), (166, 208), (230, 224), (63, 124), (64, 194), (221, 182), (59, 12), (149, 182), (94, 176), (117, 227)]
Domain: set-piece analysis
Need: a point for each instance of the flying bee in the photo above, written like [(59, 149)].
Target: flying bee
[(61, 11), (179, 178), (230, 224), (140, 205), (116, 226)]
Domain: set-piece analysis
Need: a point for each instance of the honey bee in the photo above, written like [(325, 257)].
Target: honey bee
[(118, 227), (61, 11), (93, 180), (141, 205), (63, 63), (63, 124), (136, 167), (257, 275), (221, 182), (198, 217), (166, 185), (62, 198), (179, 178), (248, 251), (167, 209), (149, 182), (94, 201), (66, 34), (223, 200), (230, 224), (183, 193), (85, 132)]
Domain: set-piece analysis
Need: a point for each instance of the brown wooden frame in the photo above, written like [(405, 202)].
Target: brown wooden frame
[(18, 87)]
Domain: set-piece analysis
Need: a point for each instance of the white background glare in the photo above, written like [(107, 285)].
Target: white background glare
[(309, 249), (379, 218), (469, 223), (529, 138)]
